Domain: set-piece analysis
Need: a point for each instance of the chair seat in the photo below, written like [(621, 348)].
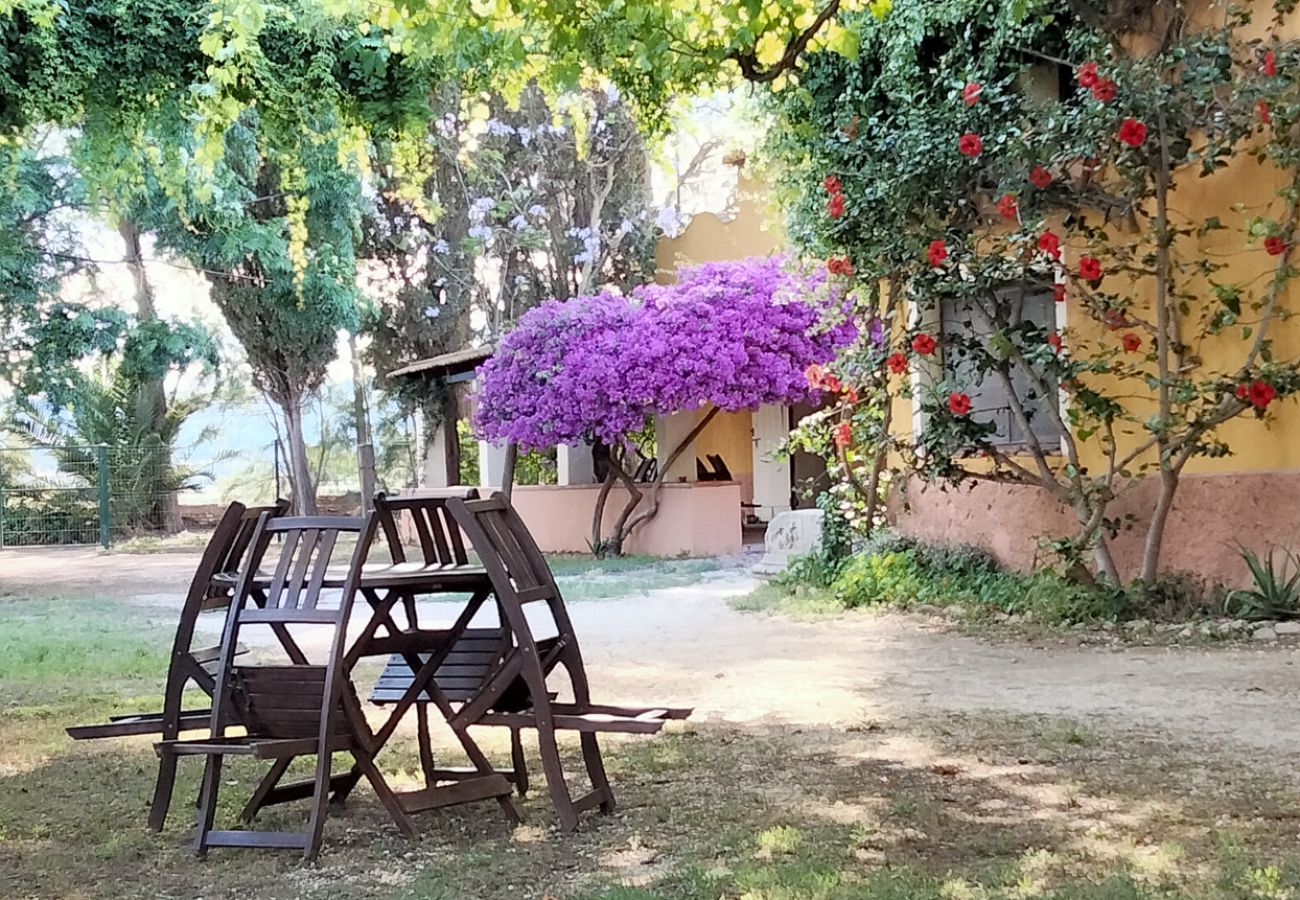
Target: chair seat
[(249, 745), (384, 575), (139, 723), (593, 717)]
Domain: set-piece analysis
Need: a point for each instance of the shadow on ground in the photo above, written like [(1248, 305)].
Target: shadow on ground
[(961, 807)]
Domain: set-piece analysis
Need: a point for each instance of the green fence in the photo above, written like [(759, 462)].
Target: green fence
[(55, 497), (98, 495)]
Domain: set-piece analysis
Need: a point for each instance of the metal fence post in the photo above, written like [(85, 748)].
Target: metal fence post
[(101, 457)]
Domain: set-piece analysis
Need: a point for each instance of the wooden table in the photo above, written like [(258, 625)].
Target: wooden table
[(384, 585)]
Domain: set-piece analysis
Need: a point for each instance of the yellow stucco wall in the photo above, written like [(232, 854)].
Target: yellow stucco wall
[(729, 435), (1243, 190), (709, 238)]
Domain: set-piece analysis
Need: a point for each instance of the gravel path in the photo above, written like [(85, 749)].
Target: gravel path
[(687, 646)]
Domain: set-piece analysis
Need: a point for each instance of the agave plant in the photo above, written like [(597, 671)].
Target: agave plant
[(1275, 591), (140, 442)]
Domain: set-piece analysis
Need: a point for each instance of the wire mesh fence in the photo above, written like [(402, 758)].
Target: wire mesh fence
[(54, 497), (99, 494)]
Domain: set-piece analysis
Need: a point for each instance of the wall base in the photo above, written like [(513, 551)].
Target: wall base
[(1213, 515)]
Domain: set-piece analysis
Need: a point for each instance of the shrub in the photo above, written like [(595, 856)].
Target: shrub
[(1275, 589), (899, 571)]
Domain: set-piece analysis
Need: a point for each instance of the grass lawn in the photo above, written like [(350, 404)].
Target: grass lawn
[(943, 807)]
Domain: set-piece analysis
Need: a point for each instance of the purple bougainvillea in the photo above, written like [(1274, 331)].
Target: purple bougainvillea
[(734, 334)]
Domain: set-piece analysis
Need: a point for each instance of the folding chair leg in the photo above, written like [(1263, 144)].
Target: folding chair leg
[(518, 762), (596, 771), (384, 793), (208, 803), (264, 788), (162, 791), (316, 823), (425, 741), (554, 770)]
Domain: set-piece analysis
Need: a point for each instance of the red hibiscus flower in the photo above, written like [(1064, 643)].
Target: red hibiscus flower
[(831, 383), (1131, 341), (1265, 114), (1132, 132), (832, 184), (843, 435), (1054, 341), (1104, 90), (1008, 207), (897, 363), (839, 265), (1086, 74), (1269, 66), (1058, 292), (958, 403), (1275, 245), (1089, 268), (924, 344), (1050, 244), (1040, 178), (1261, 393), (835, 206), (937, 252), (970, 144), (971, 93), (1243, 393)]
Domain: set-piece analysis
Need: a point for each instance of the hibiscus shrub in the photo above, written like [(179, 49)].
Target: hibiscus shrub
[(980, 156)]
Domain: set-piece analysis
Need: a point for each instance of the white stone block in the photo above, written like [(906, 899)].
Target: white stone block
[(789, 534)]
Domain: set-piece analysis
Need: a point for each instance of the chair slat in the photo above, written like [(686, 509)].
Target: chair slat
[(324, 552)]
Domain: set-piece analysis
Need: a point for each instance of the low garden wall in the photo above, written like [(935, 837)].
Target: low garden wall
[(695, 518), (1212, 516)]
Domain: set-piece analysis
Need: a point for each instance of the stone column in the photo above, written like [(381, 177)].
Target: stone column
[(437, 470), (491, 465), (772, 482), (574, 465), (669, 431)]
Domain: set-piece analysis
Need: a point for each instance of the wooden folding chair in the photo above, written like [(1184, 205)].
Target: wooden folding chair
[(423, 521), (212, 587), (515, 695), (293, 710)]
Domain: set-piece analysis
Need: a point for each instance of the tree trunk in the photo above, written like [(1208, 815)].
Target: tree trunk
[(598, 514), (304, 492), (168, 503), (1156, 530), (361, 414)]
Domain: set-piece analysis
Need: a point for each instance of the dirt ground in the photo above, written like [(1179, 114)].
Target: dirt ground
[(688, 646)]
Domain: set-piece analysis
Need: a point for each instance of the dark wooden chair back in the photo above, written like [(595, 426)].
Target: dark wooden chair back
[(296, 709), (515, 693), (435, 536), (306, 551), (508, 551)]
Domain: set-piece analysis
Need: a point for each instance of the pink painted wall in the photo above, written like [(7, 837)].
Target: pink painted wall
[(1212, 515), (694, 519)]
